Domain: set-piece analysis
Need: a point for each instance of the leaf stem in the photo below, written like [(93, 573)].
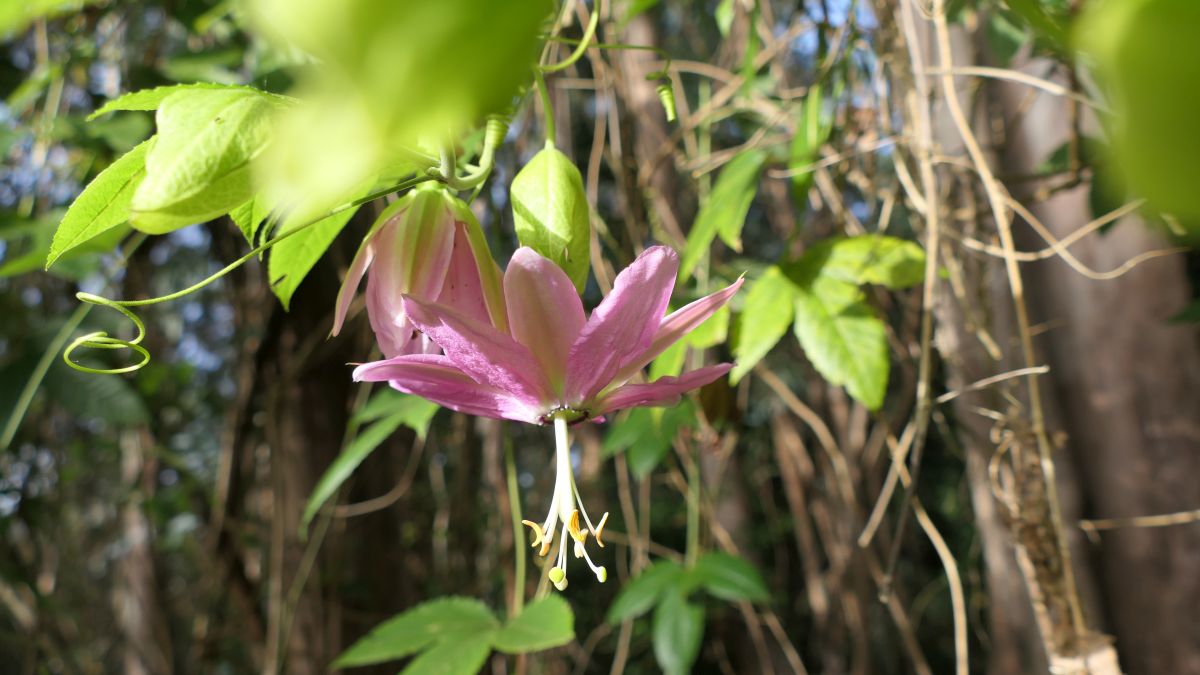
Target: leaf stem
[(547, 108)]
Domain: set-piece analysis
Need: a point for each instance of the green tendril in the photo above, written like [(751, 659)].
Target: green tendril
[(102, 340), (588, 34)]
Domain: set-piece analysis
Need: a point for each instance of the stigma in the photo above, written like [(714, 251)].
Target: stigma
[(566, 507)]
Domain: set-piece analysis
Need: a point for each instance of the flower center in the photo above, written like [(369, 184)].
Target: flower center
[(567, 506)]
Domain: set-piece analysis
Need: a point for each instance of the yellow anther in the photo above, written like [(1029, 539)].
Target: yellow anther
[(573, 527), (537, 532), (545, 547), (600, 529), (558, 577), (602, 574)]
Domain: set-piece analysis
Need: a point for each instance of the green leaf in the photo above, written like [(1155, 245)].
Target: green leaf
[(448, 620), (150, 99), (292, 259), (843, 338), (1004, 38), (676, 633), (249, 217), (15, 15), (724, 212), (645, 435), (643, 592), (453, 657), (871, 259), (770, 305), (729, 577), (199, 168), (358, 450), (723, 15), (543, 624), (712, 332), (550, 213), (812, 130), (103, 204), (1049, 24)]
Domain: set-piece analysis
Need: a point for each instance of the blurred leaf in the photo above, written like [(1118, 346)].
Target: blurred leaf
[(643, 591), (1189, 314), (15, 15), (214, 66), (677, 630), (769, 308), (87, 396), (729, 577), (1040, 15), (723, 15), (451, 620), (724, 212), (103, 204), (550, 213), (843, 338), (1004, 38), (543, 624), (712, 332), (637, 7), (871, 259), (292, 259), (24, 95), (409, 411), (414, 412), (1155, 91), (812, 130), (645, 435), (199, 166), (464, 656)]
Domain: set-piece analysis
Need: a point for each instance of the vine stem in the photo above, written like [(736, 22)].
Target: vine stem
[(514, 508), (547, 108)]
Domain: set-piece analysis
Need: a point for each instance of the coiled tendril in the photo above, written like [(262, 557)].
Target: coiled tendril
[(102, 340)]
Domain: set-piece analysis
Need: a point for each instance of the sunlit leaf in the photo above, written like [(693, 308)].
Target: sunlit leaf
[(103, 204), (843, 338), (151, 99), (199, 166), (543, 624), (764, 320), (724, 211), (445, 619), (812, 130), (291, 259), (677, 630), (871, 259), (550, 212), (15, 15), (643, 591)]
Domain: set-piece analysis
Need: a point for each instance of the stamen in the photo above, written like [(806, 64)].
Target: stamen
[(537, 532), (573, 524), (600, 530)]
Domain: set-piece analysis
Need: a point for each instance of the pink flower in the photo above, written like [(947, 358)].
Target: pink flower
[(554, 364), (428, 246)]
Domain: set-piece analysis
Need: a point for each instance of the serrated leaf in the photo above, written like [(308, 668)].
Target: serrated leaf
[(249, 218), (729, 577), (543, 624), (769, 308), (150, 99), (411, 411), (676, 633), (843, 338), (643, 591), (453, 657), (199, 168), (445, 619), (103, 204), (724, 212), (871, 259), (550, 213), (292, 259)]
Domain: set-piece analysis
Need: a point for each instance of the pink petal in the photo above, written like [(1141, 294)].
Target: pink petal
[(665, 391), (490, 357), (435, 377), (623, 324), (462, 289), (544, 311), (677, 324), (412, 254), (358, 267)]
